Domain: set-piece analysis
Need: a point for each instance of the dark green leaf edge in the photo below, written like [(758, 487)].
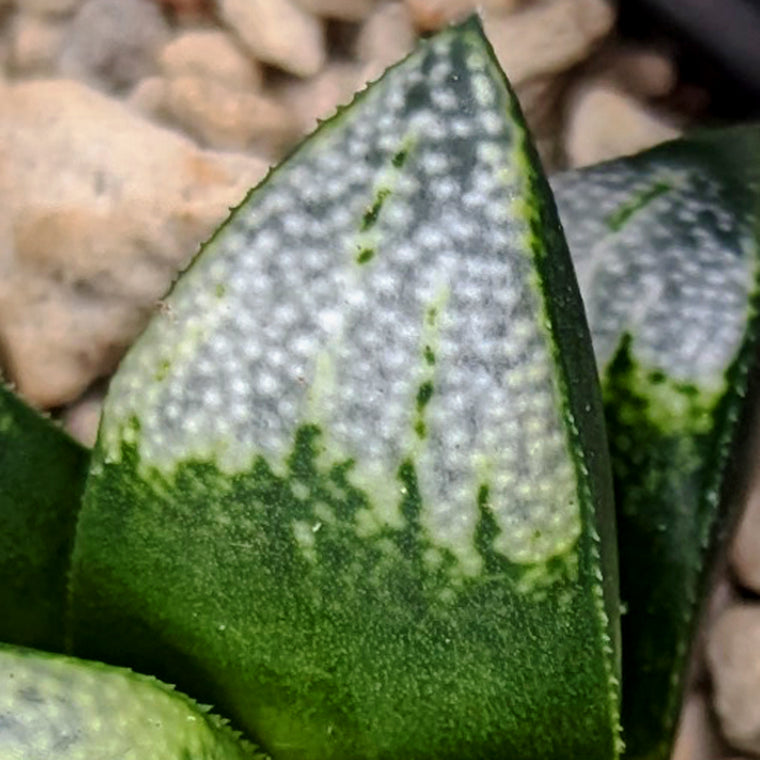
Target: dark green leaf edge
[(42, 476)]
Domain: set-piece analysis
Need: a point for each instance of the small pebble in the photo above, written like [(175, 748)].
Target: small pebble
[(732, 657), (81, 418), (386, 36), (641, 72), (260, 25), (113, 43), (210, 54), (604, 123), (745, 549), (547, 38), (35, 44), (697, 737), (228, 119)]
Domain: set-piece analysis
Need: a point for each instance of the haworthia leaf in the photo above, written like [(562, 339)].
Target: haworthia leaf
[(667, 246), (59, 708), (353, 482), (42, 473)]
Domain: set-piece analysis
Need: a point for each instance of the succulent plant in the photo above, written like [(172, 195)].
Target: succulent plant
[(354, 485)]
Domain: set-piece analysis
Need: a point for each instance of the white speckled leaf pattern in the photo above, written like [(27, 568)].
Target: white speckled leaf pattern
[(351, 484), (661, 254), (59, 708), (395, 237)]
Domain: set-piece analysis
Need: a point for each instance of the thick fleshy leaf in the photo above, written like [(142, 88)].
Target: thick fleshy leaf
[(666, 246), (60, 708), (351, 485), (42, 474)]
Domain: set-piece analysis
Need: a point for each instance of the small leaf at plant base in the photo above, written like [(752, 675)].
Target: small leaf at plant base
[(42, 474), (667, 246), (352, 487), (60, 708)]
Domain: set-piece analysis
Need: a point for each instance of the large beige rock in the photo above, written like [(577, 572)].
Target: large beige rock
[(540, 101), (100, 210), (278, 32), (604, 123), (210, 54), (113, 43), (548, 37), (732, 656)]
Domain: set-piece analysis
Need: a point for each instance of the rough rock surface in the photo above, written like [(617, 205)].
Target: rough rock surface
[(722, 596), (101, 209), (735, 669), (148, 97)]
